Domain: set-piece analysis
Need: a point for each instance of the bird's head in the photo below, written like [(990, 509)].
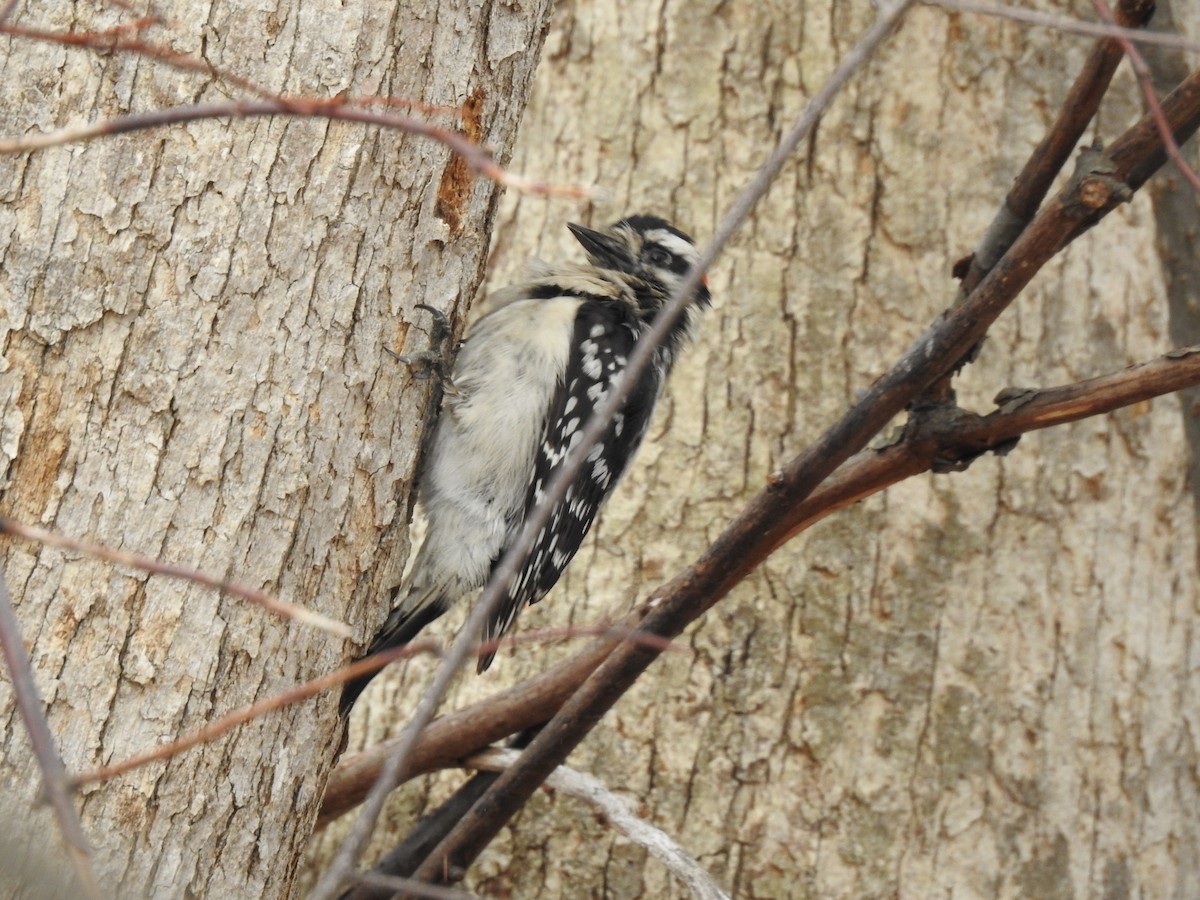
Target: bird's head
[(647, 248)]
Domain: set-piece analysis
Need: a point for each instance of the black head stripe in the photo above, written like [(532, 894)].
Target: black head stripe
[(647, 224)]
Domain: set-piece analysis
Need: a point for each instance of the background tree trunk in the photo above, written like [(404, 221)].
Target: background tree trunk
[(975, 685), (193, 329)]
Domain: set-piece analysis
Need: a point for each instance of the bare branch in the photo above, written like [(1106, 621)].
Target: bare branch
[(54, 773), (1096, 190), (270, 103), (1066, 24), (1139, 152), (395, 886), (467, 731), (1146, 82), (1054, 150), (959, 437), (220, 726), (620, 814), (114, 41), (476, 157), (308, 689), (157, 567)]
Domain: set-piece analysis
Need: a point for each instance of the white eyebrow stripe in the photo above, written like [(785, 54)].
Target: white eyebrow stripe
[(673, 243)]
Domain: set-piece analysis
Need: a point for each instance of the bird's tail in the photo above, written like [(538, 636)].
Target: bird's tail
[(404, 624)]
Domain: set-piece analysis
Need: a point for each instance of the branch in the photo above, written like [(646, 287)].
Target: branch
[(269, 103), (1066, 24), (1098, 187), (225, 724), (620, 814), (54, 773), (1146, 83), (949, 442), (395, 886), (157, 567), (477, 158), (943, 442), (1051, 154), (467, 731), (1139, 152)]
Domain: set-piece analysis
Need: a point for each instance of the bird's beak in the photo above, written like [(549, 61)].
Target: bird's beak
[(604, 250)]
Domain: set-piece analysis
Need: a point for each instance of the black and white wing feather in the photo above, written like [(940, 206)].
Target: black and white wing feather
[(604, 338)]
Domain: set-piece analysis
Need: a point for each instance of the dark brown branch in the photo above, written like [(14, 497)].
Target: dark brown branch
[(467, 731), (392, 886), (1146, 82), (1139, 153), (960, 437), (1052, 153), (431, 829), (1095, 190), (1034, 180), (54, 773)]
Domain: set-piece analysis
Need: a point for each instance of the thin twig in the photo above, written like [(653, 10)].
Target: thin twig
[(157, 567), (476, 157), (1066, 24), (225, 724), (1146, 82), (113, 41), (466, 731), (218, 727), (54, 773), (621, 815)]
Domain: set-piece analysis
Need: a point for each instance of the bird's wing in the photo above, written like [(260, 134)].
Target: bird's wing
[(604, 336)]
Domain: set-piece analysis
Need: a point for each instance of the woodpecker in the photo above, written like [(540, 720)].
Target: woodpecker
[(529, 374)]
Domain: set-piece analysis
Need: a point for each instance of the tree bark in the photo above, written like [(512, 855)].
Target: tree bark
[(194, 324), (978, 684)]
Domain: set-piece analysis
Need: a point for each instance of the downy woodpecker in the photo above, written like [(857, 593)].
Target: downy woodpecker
[(527, 377)]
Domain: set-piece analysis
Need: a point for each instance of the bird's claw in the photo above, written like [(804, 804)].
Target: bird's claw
[(432, 362)]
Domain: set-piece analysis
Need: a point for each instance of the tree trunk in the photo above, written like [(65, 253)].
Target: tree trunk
[(194, 323), (975, 685)]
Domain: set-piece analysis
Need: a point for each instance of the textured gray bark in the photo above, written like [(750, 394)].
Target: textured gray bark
[(976, 685), (193, 329)]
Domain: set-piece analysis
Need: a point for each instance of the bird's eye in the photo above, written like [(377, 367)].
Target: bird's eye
[(657, 256)]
